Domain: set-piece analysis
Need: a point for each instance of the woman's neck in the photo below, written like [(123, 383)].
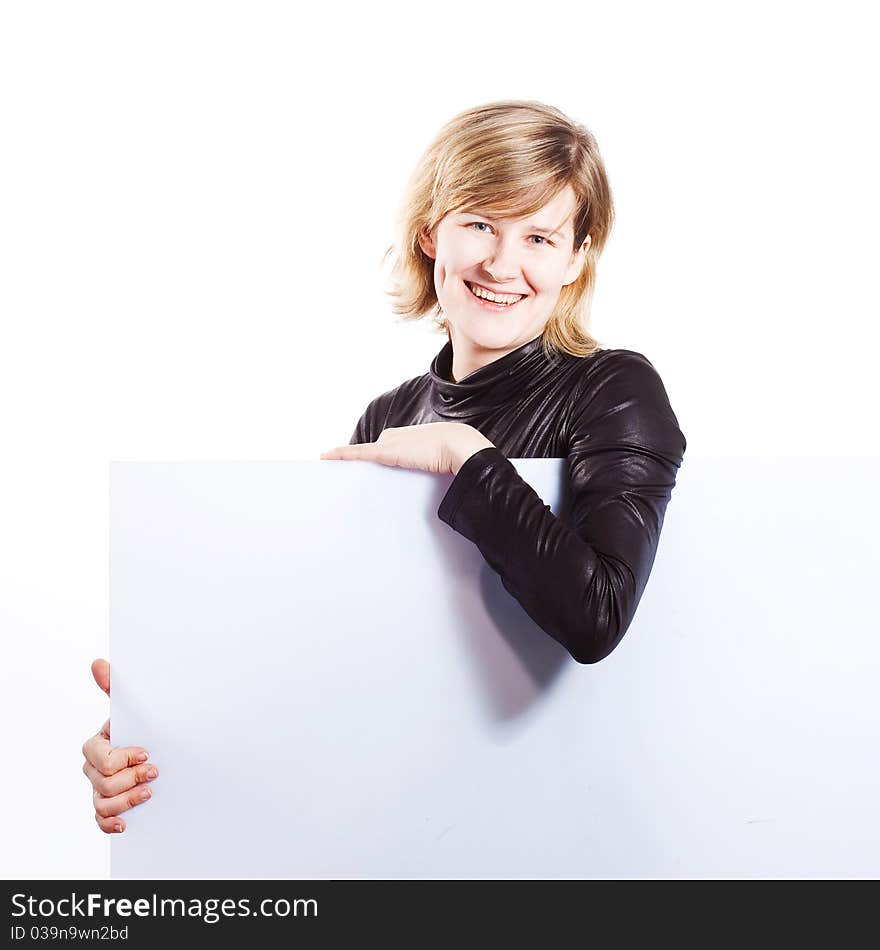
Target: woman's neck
[(465, 365), (467, 359)]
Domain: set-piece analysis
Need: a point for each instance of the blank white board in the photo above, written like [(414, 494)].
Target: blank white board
[(334, 684)]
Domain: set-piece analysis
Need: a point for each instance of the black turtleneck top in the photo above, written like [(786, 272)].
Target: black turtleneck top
[(608, 414)]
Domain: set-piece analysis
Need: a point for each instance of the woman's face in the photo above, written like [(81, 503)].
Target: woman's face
[(527, 260)]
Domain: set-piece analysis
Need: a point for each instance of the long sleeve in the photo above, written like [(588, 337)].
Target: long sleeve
[(361, 432), (373, 419), (581, 581)]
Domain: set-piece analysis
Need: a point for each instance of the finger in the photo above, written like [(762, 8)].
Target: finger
[(101, 673), (111, 807), (366, 450), (110, 825), (109, 760), (122, 781)]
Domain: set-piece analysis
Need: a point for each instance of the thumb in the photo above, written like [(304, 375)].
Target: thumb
[(101, 672)]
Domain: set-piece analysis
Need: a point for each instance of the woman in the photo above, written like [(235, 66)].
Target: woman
[(501, 229)]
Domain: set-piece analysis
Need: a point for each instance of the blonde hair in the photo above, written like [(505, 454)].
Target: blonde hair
[(509, 157)]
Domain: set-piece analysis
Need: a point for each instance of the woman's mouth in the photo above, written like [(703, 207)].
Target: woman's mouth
[(490, 301)]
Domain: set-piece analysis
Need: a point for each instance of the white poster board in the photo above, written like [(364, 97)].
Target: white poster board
[(334, 684)]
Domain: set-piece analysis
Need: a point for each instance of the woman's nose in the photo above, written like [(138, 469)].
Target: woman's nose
[(501, 265)]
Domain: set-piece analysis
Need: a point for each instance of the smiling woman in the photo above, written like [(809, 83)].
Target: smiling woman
[(500, 230), (514, 261)]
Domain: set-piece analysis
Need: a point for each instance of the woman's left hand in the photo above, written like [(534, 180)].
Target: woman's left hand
[(441, 447)]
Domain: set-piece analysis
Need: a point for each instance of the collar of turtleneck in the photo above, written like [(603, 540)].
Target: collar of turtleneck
[(514, 373)]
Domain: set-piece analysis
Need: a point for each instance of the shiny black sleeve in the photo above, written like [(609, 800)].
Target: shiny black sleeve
[(581, 580), (361, 432), (373, 420)]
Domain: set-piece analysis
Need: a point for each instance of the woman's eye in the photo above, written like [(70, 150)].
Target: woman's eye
[(479, 225)]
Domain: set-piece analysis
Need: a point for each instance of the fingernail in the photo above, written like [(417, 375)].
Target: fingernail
[(145, 794), (117, 828), (152, 772), (143, 757)]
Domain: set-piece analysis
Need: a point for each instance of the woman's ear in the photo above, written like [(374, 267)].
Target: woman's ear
[(426, 243), (578, 257)]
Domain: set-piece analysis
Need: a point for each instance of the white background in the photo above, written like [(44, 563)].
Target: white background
[(194, 203)]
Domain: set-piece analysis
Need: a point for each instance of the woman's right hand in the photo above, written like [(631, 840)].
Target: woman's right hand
[(118, 776)]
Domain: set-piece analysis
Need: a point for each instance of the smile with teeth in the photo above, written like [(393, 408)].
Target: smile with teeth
[(506, 300)]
